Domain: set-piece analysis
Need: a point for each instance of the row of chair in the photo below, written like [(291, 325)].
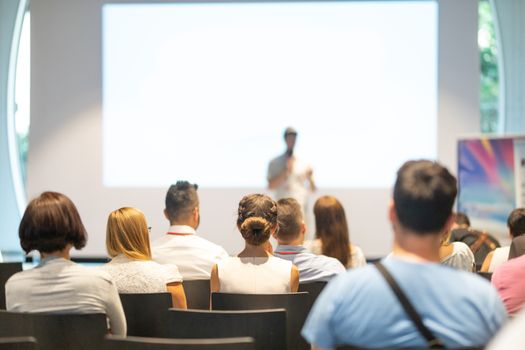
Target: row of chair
[(147, 315), (87, 331)]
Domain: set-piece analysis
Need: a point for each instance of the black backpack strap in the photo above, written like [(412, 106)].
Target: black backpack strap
[(432, 341)]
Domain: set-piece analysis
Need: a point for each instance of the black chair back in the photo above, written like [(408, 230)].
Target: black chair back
[(295, 304), (267, 327), (313, 289), (18, 343), (56, 331), (197, 294), (7, 270), (485, 275), (139, 343), (146, 314)]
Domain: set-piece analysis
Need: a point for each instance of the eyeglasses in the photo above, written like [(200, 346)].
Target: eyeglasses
[(149, 229)]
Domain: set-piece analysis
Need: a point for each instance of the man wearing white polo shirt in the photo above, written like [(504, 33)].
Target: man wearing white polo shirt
[(193, 255)]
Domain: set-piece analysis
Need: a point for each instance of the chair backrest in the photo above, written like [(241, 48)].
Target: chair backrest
[(313, 289), (7, 270), (56, 331), (18, 343), (486, 275), (140, 343), (146, 313), (295, 304), (267, 327), (197, 294)]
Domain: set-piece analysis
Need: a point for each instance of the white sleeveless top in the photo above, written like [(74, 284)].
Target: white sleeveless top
[(253, 275), (500, 256)]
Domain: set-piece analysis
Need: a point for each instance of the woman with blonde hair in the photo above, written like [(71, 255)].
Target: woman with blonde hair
[(255, 270), (332, 237), (131, 267)]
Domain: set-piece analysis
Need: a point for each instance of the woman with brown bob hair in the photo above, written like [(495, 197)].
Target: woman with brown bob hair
[(255, 270), (51, 225), (332, 237), (131, 267)]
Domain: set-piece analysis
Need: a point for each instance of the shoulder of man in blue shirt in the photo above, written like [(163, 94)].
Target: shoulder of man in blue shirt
[(359, 308), (311, 267)]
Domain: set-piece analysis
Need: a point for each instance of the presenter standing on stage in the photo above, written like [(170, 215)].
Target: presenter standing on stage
[(288, 175)]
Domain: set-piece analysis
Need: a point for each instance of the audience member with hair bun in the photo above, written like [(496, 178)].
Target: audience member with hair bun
[(51, 224), (255, 270), (131, 267), (332, 236), (516, 225)]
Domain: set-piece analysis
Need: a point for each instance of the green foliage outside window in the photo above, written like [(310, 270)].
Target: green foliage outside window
[(489, 75)]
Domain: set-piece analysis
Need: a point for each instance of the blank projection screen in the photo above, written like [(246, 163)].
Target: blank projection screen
[(203, 91)]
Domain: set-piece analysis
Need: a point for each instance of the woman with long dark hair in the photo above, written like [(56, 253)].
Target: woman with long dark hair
[(331, 233)]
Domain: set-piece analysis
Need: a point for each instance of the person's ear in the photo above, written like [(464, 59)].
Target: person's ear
[(166, 214), (303, 229), (450, 222), (392, 216), (275, 231), (196, 214)]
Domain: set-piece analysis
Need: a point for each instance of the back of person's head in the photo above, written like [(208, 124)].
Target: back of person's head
[(424, 194), (290, 219), (127, 233), (181, 200), (331, 228), (516, 222), (51, 222), (461, 219), (257, 218)]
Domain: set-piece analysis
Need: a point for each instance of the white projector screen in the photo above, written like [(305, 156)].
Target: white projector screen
[(203, 91)]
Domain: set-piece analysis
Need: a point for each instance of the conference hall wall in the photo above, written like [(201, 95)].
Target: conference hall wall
[(130, 96)]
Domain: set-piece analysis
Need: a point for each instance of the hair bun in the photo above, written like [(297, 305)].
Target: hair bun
[(256, 230)]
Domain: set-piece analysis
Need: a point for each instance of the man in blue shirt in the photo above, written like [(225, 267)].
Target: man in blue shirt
[(290, 238), (359, 308)]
